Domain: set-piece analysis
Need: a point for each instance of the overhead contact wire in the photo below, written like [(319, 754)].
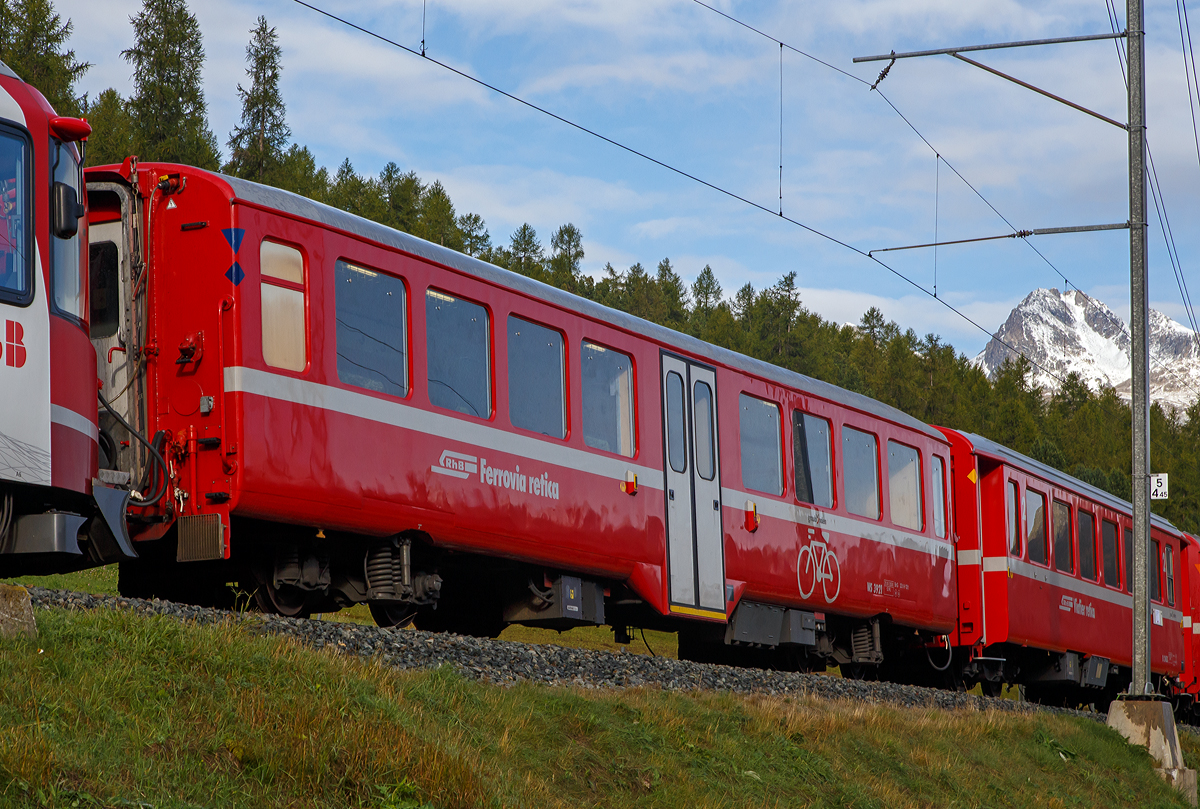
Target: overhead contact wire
[(682, 173)]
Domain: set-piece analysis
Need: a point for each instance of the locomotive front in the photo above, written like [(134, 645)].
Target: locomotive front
[(55, 513)]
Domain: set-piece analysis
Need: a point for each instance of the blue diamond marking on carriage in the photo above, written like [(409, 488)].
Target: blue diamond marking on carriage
[(235, 273)]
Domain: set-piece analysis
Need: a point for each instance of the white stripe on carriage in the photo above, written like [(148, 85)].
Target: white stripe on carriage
[(69, 418), (338, 400)]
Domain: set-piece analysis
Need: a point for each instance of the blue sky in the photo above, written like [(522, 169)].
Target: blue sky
[(678, 82)]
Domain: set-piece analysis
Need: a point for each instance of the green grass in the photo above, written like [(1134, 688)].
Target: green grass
[(112, 709)]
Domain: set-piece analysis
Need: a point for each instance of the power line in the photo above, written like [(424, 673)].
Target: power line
[(678, 171)]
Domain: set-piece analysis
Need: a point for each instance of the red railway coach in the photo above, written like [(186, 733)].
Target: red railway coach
[(337, 413), (1044, 571)]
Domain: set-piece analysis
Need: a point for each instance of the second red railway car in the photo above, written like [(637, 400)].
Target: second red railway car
[(323, 411)]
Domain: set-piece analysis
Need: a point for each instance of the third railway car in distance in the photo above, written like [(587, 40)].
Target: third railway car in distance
[(323, 411)]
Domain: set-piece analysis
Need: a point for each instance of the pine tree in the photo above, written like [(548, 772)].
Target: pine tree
[(32, 36), (566, 258), (111, 140), (476, 240), (169, 113), (257, 144), (525, 252), (403, 195), (439, 222)]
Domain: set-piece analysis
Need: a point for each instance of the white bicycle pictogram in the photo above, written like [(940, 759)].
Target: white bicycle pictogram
[(818, 565)]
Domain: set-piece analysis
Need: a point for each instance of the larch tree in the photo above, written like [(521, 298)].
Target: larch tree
[(170, 116), (258, 142), (111, 140), (33, 43), (566, 258)]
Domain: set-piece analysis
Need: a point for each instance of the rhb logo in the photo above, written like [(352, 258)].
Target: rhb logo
[(13, 350)]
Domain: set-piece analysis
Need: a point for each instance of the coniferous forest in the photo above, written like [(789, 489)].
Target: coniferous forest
[(1082, 432)]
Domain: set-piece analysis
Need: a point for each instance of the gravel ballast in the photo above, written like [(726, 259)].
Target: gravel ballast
[(507, 662)]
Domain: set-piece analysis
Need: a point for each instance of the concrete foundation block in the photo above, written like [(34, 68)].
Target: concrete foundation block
[(16, 612), (1151, 724)]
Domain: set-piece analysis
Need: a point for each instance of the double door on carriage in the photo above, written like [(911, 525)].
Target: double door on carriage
[(695, 543)]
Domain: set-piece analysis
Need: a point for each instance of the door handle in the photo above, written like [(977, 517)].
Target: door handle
[(716, 505), (670, 494)]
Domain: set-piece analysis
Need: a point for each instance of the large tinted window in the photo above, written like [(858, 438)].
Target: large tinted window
[(15, 283), (536, 378), (1035, 527), (904, 486), (281, 270), (702, 412), (676, 423), (1064, 560), (860, 472), (812, 446), (1108, 550), (762, 454), (607, 381), (939, 496), (1012, 497), (372, 338), (458, 346), (1169, 574), (66, 255), (1087, 545)]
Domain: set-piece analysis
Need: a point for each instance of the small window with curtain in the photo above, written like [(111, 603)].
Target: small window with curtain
[(283, 290), (1155, 571), (1087, 546), (1108, 551), (372, 335), (761, 444), (1169, 573), (860, 472), (458, 345), (536, 378), (904, 486), (1035, 527), (939, 496), (607, 392), (1012, 499), (1064, 559), (703, 414), (812, 447)]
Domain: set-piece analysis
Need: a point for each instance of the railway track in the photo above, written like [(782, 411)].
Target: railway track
[(509, 662)]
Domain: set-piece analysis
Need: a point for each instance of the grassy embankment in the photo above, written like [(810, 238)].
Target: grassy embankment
[(112, 709)]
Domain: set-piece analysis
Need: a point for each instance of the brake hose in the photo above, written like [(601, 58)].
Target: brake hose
[(154, 452)]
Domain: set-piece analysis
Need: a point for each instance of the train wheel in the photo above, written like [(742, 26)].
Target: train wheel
[(389, 615), (991, 689), (288, 601)]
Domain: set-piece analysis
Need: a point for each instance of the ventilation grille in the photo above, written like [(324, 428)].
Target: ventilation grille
[(201, 537)]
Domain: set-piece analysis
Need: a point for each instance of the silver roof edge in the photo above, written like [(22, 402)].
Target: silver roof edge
[(305, 208), (1066, 481), (5, 70)]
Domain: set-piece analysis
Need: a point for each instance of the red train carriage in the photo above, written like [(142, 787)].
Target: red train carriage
[(349, 414), (1044, 570), (49, 498)]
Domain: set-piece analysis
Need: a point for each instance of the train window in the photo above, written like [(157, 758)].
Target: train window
[(904, 486), (1127, 547), (104, 270), (607, 382), (1108, 550), (67, 271), (536, 378), (939, 496), (1014, 523), (1035, 527), (761, 440), (1087, 545), (1155, 571), (702, 412), (1064, 559), (458, 353), (860, 472), (676, 423), (1169, 574), (813, 459), (281, 269), (15, 286), (372, 336)]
